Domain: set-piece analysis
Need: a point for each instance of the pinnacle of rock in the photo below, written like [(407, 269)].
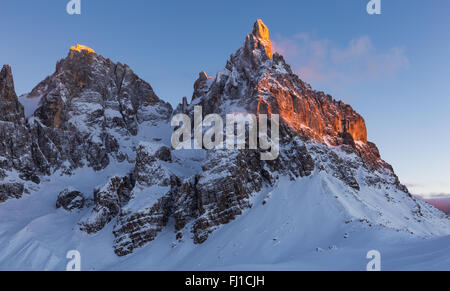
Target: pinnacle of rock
[(260, 30), (7, 84), (260, 39)]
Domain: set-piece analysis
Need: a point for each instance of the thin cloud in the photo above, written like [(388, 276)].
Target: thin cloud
[(431, 196), (414, 185), (424, 187), (321, 60), (356, 49), (441, 201)]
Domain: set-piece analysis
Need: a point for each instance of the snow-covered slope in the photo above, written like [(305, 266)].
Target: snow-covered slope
[(296, 225)]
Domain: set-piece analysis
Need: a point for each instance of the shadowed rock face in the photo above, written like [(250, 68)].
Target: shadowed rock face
[(137, 226), (10, 190), (15, 140), (70, 199), (10, 110), (94, 103), (108, 201)]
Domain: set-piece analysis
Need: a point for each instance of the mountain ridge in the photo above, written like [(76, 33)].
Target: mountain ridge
[(98, 117)]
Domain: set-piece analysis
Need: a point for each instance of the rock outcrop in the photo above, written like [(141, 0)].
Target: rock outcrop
[(149, 170), (11, 190), (239, 177), (151, 203), (70, 199), (16, 159), (108, 201), (11, 109), (260, 37)]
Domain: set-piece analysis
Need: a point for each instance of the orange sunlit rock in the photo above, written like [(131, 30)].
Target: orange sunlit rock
[(261, 33), (306, 116), (80, 48), (260, 30)]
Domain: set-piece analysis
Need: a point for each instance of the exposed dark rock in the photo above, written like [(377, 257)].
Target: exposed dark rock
[(15, 146), (135, 229), (70, 199), (86, 108), (148, 170), (11, 190), (10, 110), (139, 223), (186, 202), (108, 200), (347, 139), (226, 183)]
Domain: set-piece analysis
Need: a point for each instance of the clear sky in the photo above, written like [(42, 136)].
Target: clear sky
[(393, 68)]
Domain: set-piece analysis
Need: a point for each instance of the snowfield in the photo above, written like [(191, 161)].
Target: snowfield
[(297, 225)]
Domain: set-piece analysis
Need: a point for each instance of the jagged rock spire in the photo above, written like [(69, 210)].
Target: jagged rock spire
[(7, 92), (10, 108), (259, 39), (260, 30)]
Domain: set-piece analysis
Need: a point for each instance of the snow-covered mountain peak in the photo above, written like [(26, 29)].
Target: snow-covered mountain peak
[(89, 113), (96, 158)]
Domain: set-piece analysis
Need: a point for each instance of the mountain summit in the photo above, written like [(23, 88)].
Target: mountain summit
[(260, 30), (258, 82), (79, 48), (260, 36)]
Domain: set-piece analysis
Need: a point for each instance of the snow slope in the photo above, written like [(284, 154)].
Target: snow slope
[(29, 104), (297, 225)]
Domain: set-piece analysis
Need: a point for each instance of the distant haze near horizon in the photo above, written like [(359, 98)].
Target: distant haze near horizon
[(441, 202), (391, 68)]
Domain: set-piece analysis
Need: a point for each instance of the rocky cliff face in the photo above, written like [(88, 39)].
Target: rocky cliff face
[(258, 81), (152, 202), (89, 111), (93, 112), (94, 103), (15, 141), (11, 110)]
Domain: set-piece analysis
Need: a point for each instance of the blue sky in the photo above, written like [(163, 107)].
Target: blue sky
[(392, 68)]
